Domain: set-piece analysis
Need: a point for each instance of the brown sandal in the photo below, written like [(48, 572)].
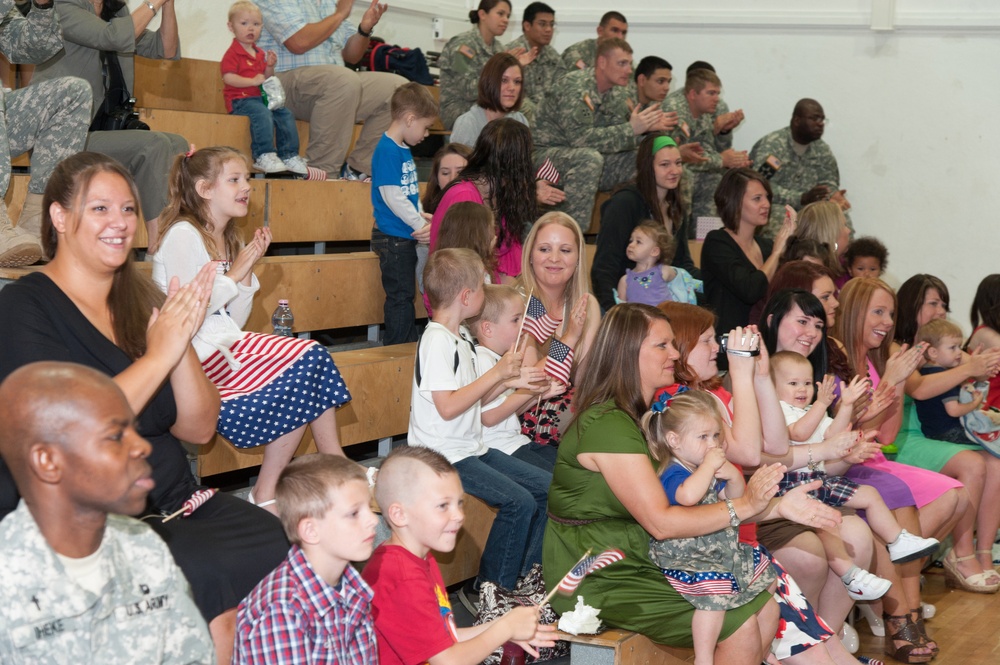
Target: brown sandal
[(919, 623), (907, 632)]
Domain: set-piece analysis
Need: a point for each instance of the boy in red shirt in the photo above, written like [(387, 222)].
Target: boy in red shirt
[(420, 495), (244, 68)]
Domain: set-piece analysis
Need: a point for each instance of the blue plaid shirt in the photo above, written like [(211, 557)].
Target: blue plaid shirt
[(283, 18), (293, 617)]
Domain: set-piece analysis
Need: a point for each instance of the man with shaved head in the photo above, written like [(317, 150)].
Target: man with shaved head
[(799, 164), (82, 583)]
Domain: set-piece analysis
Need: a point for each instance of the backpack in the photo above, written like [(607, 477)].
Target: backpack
[(408, 63)]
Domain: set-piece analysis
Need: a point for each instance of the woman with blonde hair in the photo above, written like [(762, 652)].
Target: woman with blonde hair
[(823, 222), (863, 332), (563, 316)]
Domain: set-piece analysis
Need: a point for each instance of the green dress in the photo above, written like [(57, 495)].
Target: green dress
[(632, 594), (917, 450)]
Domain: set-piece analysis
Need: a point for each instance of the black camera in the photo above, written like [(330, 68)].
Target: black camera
[(123, 117)]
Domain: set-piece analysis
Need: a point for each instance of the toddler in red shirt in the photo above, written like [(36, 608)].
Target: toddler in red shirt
[(244, 68)]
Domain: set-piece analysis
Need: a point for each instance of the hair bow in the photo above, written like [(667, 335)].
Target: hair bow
[(662, 403)]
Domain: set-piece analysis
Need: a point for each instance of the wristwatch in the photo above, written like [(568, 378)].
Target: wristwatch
[(151, 7), (366, 35), (734, 519)]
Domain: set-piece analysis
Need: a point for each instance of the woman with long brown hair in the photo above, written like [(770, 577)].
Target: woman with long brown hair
[(91, 306), (653, 195), (499, 174)]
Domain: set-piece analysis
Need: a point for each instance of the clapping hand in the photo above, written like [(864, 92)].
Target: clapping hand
[(865, 447), (172, 326)]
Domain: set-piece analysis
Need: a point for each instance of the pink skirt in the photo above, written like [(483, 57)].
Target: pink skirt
[(925, 485)]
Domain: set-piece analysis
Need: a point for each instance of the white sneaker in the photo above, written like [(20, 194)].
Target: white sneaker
[(908, 547), (866, 586), (269, 163), (296, 164)]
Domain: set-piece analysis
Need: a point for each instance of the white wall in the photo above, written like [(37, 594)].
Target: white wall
[(912, 111)]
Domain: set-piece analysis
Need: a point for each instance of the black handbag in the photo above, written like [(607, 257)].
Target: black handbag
[(118, 109)]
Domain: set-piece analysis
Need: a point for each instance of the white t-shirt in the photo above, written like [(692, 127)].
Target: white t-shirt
[(793, 414), (506, 435), (461, 436)]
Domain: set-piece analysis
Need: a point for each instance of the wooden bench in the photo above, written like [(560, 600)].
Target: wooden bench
[(622, 647), (190, 84)]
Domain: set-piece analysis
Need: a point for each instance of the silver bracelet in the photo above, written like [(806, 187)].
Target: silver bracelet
[(151, 7)]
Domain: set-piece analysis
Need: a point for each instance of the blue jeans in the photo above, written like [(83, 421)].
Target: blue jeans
[(397, 258), (537, 454), (264, 124), (520, 491)]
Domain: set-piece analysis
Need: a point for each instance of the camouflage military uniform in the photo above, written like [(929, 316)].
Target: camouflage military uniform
[(49, 118), (723, 142), (144, 613), (52, 117), (539, 76), (796, 174), (580, 55), (699, 180), (461, 61), (589, 139)]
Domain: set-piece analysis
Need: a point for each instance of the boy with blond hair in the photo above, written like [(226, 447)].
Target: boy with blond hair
[(245, 66), (420, 495), (940, 416), (446, 416), (399, 224), (496, 331), (314, 607)]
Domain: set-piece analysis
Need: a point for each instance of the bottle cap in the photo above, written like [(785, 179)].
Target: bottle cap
[(283, 302)]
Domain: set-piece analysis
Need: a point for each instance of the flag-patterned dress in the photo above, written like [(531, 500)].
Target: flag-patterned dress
[(714, 571), (270, 385)]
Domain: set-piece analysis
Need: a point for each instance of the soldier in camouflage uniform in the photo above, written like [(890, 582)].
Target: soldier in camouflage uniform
[(540, 74), (651, 80), (51, 118), (590, 131), (82, 583), (584, 54), (724, 120), (463, 58), (695, 106), (799, 164)]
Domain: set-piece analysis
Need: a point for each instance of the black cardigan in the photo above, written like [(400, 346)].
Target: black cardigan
[(732, 283)]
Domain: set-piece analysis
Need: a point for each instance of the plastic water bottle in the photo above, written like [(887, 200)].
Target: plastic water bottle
[(282, 319)]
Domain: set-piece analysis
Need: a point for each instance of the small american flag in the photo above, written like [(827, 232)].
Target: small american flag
[(537, 321), (192, 504), (548, 171), (573, 578), (559, 362), (196, 500)]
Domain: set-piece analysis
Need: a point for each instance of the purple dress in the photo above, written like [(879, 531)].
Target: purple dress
[(647, 287)]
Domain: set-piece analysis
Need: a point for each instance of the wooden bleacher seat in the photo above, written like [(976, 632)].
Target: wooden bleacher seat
[(622, 647), (303, 211), (191, 85)]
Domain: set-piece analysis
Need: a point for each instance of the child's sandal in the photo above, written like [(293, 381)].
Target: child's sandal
[(904, 630)]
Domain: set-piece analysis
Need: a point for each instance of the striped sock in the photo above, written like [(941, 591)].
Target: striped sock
[(315, 173)]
